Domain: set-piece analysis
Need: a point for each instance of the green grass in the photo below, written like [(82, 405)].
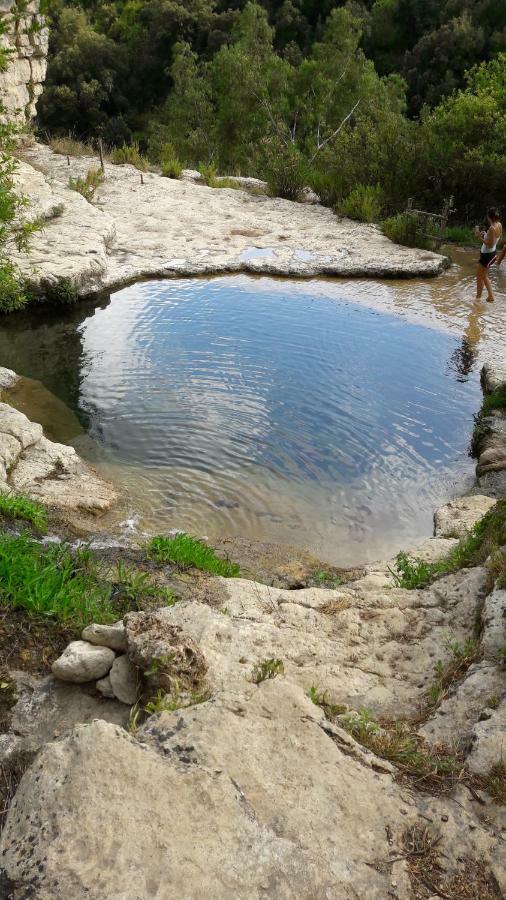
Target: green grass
[(88, 185), (449, 673), (460, 234), (493, 401), (15, 507), (138, 587), (406, 230), (486, 538), (129, 153), (320, 699), (52, 581), (188, 552)]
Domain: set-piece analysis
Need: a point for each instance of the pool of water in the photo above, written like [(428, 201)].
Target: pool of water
[(270, 409)]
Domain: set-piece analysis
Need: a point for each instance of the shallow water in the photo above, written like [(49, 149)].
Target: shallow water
[(330, 414)]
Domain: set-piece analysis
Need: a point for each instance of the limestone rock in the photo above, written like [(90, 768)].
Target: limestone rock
[(113, 636), (493, 376), (163, 652), (7, 378), (82, 662), (27, 40), (489, 740), (134, 230), (104, 687), (244, 798), (124, 679), (457, 518), (52, 473)]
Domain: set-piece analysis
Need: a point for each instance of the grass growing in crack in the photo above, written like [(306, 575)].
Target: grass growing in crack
[(52, 581), (139, 586), (163, 702), (487, 536), (320, 698), (449, 673), (22, 508), (429, 766), (88, 185), (266, 669), (188, 552)]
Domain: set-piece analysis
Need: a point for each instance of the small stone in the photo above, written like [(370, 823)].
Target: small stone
[(104, 687), (444, 818), (124, 680), (113, 636), (82, 662)]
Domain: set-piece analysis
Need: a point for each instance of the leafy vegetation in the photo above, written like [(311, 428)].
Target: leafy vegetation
[(53, 581), (321, 699), (88, 185), (129, 153), (266, 669), (138, 587), (487, 537), (188, 552), (18, 507), (404, 98)]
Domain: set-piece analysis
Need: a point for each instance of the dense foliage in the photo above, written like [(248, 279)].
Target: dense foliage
[(369, 101)]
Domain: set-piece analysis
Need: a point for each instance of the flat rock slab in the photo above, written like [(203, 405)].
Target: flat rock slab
[(458, 517), (166, 227), (233, 798)]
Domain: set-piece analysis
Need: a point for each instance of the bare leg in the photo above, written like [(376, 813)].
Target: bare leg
[(501, 256), (488, 285), (479, 282)]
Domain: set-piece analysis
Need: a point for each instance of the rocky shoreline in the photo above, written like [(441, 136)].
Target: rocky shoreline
[(264, 778), (141, 225)]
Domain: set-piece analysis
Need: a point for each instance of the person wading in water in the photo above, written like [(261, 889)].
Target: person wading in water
[(488, 254)]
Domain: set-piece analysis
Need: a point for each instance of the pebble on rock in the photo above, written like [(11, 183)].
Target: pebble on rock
[(113, 636), (82, 662), (104, 687)]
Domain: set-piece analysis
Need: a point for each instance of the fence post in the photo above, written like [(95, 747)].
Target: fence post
[(101, 153)]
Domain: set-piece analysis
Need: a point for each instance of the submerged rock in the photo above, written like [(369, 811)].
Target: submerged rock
[(82, 662)]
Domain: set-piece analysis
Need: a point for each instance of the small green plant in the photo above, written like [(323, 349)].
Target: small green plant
[(493, 702), (493, 401), (189, 552), (495, 782), (321, 699), (62, 292), (88, 185), (17, 507), (163, 702), (449, 673), (129, 154), (159, 663), (171, 167), (209, 174), (13, 294), (363, 203), (268, 668), (139, 586)]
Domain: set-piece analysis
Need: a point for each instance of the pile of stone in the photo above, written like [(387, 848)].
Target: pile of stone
[(101, 656)]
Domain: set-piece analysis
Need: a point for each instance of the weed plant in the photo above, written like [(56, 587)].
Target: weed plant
[(138, 587), (362, 204), (188, 552), (14, 507), (88, 185), (268, 668), (129, 154)]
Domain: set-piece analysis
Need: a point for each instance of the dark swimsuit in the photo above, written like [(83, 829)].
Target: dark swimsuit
[(486, 259)]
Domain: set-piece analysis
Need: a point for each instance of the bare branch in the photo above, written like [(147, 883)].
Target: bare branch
[(334, 134)]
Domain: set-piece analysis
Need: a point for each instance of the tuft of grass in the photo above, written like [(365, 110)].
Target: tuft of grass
[(209, 174), (268, 668), (138, 587), (188, 552), (449, 673), (129, 154), (163, 702), (70, 146), (460, 234), (171, 168), (53, 581), (494, 783), (493, 401), (487, 536), (88, 185), (430, 766), (321, 699), (18, 507)]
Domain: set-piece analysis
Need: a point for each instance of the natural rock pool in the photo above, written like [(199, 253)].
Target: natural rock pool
[(274, 410)]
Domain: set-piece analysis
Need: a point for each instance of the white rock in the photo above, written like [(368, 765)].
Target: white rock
[(104, 687), (493, 376), (82, 662), (457, 518), (7, 377), (113, 636), (124, 678)]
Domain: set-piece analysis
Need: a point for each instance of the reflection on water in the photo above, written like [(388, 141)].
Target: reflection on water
[(273, 409)]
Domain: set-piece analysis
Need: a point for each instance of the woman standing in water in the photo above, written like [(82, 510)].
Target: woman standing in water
[(490, 238)]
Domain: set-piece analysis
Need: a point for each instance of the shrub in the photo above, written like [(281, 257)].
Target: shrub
[(188, 552), (17, 507), (363, 203), (70, 146), (13, 295), (460, 234), (129, 154), (285, 171), (87, 186), (171, 168), (404, 229), (209, 174), (62, 293)]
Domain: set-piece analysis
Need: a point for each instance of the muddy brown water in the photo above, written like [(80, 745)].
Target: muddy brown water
[(329, 414)]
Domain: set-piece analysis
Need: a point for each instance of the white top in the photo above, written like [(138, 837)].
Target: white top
[(485, 247)]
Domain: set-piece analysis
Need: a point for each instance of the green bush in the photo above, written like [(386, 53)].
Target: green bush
[(188, 552), (209, 174), (13, 295), (171, 166), (363, 203), (285, 171), (129, 154), (460, 234), (405, 229), (62, 293)]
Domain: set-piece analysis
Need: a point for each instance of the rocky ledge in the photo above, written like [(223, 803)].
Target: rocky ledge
[(146, 226), (51, 473), (245, 776)]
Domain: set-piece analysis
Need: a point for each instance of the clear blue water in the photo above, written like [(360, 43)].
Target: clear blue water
[(251, 407)]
